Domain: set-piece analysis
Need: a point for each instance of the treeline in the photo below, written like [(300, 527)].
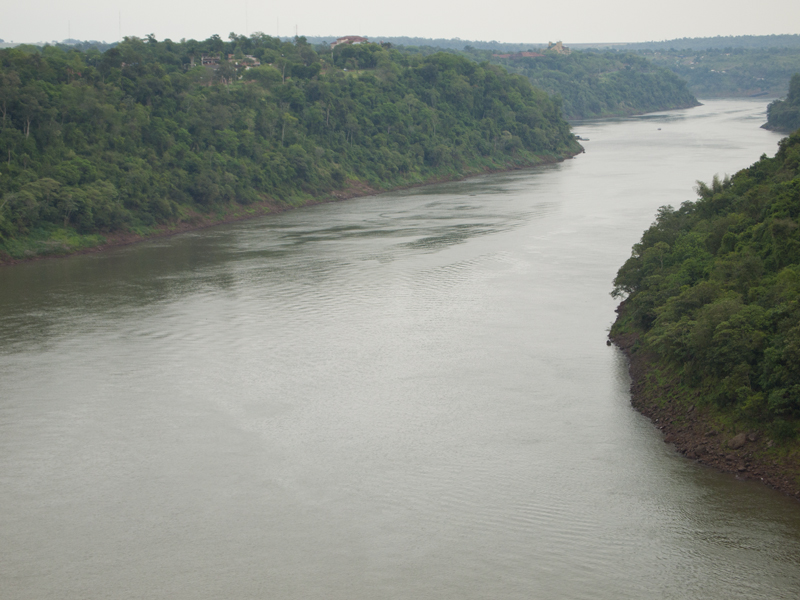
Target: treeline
[(730, 72), (143, 134), (692, 44), (437, 44), (721, 42), (713, 291), (784, 115)]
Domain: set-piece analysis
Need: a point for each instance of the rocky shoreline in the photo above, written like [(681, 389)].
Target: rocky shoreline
[(692, 430)]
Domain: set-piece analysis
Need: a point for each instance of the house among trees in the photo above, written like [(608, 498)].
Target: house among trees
[(225, 71), (247, 61), (349, 39)]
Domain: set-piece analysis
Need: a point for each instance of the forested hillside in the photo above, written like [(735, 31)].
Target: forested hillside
[(144, 135), (758, 42), (603, 84), (784, 115), (588, 83), (729, 72), (712, 298), (605, 81)]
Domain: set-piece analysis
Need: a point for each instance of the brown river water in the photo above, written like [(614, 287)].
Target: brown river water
[(406, 396)]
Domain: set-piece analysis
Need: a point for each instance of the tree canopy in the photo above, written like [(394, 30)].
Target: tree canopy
[(150, 131), (713, 289), (591, 84), (603, 84)]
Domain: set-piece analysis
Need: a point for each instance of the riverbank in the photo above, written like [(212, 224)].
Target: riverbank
[(62, 242), (700, 432)]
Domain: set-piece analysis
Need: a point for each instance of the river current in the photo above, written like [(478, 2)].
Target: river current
[(405, 396)]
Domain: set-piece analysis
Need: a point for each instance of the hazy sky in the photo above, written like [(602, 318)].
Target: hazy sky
[(508, 21)]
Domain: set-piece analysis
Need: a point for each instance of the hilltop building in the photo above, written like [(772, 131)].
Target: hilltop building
[(349, 39), (558, 48), (248, 61)]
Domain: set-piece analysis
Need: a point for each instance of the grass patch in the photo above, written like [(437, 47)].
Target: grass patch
[(49, 241)]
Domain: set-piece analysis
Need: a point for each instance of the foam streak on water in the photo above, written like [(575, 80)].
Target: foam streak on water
[(402, 396)]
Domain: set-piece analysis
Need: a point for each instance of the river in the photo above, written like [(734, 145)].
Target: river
[(401, 396)]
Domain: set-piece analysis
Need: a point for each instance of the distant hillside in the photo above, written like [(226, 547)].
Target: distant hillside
[(438, 43), (82, 45), (720, 42), (731, 72), (594, 84), (589, 84), (695, 44), (714, 67)]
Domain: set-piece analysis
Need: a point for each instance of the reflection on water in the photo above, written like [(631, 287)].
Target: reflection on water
[(53, 297), (402, 396)]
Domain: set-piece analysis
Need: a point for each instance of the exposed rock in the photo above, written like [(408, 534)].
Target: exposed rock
[(695, 434), (737, 441)]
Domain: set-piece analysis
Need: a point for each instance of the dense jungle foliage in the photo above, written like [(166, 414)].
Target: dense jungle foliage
[(603, 84), (784, 115), (713, 67), (729, 72), (142, 134), (713, 287), (591, 84)]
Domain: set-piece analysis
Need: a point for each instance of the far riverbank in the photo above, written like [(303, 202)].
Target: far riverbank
[(62, 243)]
